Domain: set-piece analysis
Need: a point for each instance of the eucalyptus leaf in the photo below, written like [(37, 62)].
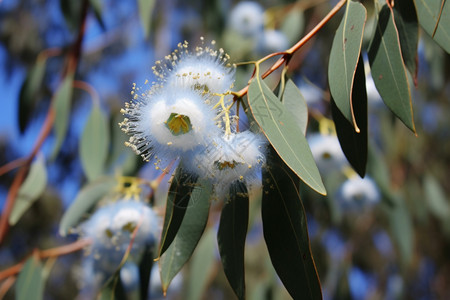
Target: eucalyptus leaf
[(145, 270), (285, 231), (187, 237), (61, 103), (388, 69), (293, 25), (354, 144), (31, 189), (94, 144), (344, 57), (294, 102), (436, 200), (145, 13), (86, 199), (231, 237), (434, 17), (97, 7), (30, 283), (280, 126)]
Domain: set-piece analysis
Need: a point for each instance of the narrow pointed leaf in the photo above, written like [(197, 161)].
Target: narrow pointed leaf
[(29, 92), (178, 198), (30, 283), (344, 58), (202, 266), (61, 103), (294, 102), (436, 200), (97, 7), (94, 144), (86, 199), (388, 69), (145, 13), (286, 233), (231, 237), (354, 144), (280, 128), (190, 232), (408, 31), (434, 17), (145, 269), (31, 189)]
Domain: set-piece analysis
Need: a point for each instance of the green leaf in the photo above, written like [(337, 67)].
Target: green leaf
[(344, 56), (388, 70), (97, 7), (94, 144), (201, 266), (408, 31), (30, 283), (86, 199), (145, 269), (231, 237), (113, 290), (180, 190), (186, 239), (29, 92), (293, 25), (434, 17), (437, 202), (72, 12), (354, 144), (31, 189), (61, 104), (378, 169), (294, 102), (280, 128), (145, 13), (285, 231)]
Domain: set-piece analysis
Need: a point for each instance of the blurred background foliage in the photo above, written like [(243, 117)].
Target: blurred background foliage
[(396, 248)]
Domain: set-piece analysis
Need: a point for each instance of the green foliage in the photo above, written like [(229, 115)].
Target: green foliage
[(145, 12), (30, 283), (31, 189), (294, 102), (281, 130)]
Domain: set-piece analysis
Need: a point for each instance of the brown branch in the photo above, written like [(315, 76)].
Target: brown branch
[(6, 285)]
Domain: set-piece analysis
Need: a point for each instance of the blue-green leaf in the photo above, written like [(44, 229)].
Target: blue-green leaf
[(231, 237), (344, 58), (285, 231), (388, 69), (187, 237), (94, 144), (97, 7), (86, 199), (434, 17), (437, 202), (354, 144), (61, 103), (280, 128), (30, 283), (145, 13), (295, 103), (31, 189), (293, 25), (201, 266)]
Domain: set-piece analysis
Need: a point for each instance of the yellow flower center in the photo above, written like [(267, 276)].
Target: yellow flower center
[(225, 165), (178, 124)]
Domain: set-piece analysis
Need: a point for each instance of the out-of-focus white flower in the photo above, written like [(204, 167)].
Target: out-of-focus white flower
[(237, 156), (247, 18), (272, 41), (357, 192), (110, 229), (327, 152)]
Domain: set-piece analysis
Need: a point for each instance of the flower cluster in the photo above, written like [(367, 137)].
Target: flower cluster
[(189, 114)]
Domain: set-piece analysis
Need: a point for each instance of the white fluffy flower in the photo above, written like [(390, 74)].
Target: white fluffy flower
[(238, 156), (327, 152), (358, 192), (247, 18)]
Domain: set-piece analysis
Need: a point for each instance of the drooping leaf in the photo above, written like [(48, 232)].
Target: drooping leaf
[(180, 191), (379, 171), (30, 283), (279, 126), (97, 7), (434, 17), (94, 144), (187, 237), (31, 189), (145, 13), (388, 70), (294, 102), (436, 200), (408, 31), (61, 104), (145, 269), (293, 25), (354, 144), (114, 290), (201, 266), (29, 92), (231, 237), (86, 199), (344, 58), (285, 231)]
